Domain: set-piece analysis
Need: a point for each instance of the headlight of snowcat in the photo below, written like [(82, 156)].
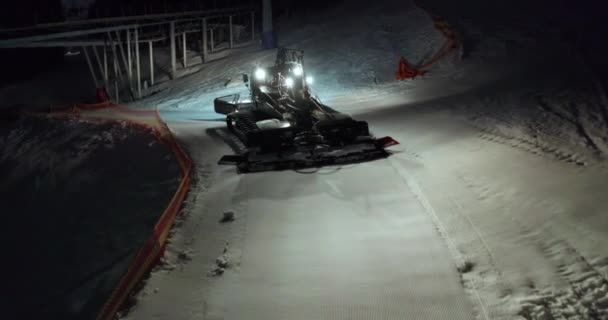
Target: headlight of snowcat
[(260, 74), (297, 71), (289, 82), (308, 80)]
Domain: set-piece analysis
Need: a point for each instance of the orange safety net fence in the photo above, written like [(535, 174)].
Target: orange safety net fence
[(153, 248), (407, 71)]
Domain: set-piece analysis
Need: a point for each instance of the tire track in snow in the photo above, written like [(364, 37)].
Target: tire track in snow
[(477, 248), (470, 245), (482, 192), (549, 305), (534, 147), (461, 262), (587, 295), (574, 120)]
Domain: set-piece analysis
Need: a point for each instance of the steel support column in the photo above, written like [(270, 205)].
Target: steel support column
[(129, 58), (150, 47), (105, 64), (230, 28), (116, 73), (138, 68), (204, 31), (172, 43), (86, 54), (100, 66), (211, 40), (184, 51), (124, 59)]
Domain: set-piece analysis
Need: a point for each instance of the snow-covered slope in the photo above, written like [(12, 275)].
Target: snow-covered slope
[(491, 138), (78, 201), (343, 57), (493, 207)]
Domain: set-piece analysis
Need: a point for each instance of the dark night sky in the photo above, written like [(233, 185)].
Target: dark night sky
[(20, 13), (28, 12)]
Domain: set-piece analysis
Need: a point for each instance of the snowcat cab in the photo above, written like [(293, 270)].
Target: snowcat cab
[(283, 126)]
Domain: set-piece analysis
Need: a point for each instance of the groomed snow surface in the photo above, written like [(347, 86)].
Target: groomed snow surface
[(492, 207), (78, 201)]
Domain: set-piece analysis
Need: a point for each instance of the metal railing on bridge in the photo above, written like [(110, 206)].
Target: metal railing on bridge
[(112, 46)]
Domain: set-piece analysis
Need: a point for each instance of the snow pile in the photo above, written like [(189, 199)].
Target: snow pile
[(585, 298), (79, 200)]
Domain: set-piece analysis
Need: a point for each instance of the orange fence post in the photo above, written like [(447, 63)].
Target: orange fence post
[(407, 71)]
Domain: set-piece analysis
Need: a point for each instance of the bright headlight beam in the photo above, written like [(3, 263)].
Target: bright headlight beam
[(298, 71), (308, 80), (289, 82), (260, 74)]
